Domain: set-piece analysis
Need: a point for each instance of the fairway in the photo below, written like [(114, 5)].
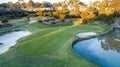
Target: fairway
[(50, 40), (43, 33), (50, 47)]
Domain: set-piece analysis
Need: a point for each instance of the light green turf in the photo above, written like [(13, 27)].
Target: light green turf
[(49, 47), (38, 26)]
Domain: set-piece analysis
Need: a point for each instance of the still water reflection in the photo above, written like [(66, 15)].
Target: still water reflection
[(103, 50)]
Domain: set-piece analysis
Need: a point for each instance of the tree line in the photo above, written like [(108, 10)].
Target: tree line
[(105, 10)]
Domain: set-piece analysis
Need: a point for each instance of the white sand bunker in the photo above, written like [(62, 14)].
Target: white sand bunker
[(10, 39), (86, 34), (32, 21)]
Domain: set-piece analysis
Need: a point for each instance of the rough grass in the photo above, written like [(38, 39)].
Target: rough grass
[(50, 47)]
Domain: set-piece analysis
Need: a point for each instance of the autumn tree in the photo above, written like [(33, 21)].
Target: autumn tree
[(46, 4), (105, 8), (56, 14), (76, 11), (62, 17), (91, 9), (30, 4), (64, 9), (43, 4), (87, 16), (40, 13), (115, 6), (59, 4), (21, 3), (96, 4), (15, 6)]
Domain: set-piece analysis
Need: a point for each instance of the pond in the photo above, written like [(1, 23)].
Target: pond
[(103, 50), (10, 39)]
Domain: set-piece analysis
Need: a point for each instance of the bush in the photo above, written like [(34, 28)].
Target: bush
[(1, 43), (40, 21), (4, 21), (52, 19), (50, 14), (109, 22), (53, 22), (105, 18), (46, 20), (78, 22)]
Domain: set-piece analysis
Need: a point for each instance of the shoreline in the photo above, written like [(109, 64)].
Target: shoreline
[(86, 38)]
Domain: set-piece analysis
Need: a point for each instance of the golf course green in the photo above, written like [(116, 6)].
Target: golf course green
[(49, 46)]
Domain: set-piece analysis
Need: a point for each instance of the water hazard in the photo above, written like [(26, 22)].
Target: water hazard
[(103, 50)]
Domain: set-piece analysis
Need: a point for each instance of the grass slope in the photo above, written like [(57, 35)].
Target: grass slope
[(50, 47)]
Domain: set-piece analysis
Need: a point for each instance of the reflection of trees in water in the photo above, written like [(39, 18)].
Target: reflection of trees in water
[(111, 42)]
